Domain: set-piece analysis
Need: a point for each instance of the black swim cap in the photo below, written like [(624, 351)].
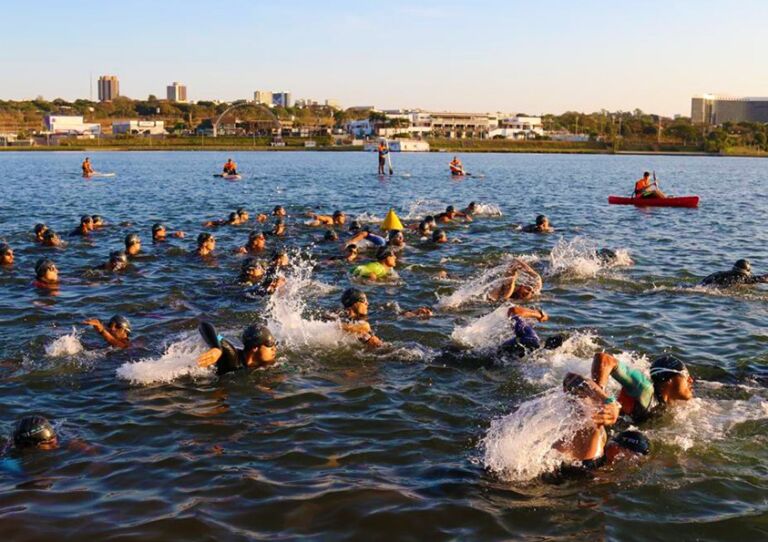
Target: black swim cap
[(120, 322), (450, 209), (250, 263), (438, 234), (157, 226), (241, 211), (666, 367), (97, 218), (634, 441), (429, 219), (132, 239), (351, 246), (254, 234), (233, 216), (355, 225), (337, 214), (203, 237), (352, 296), (40, 228), (384, 253), (277, 209), (85, 218), (540, 220), (118, 257), (32, 431), (48, 235), (743, 266), (330, 235), (4, 247), (606, 254), (43, 265), (255, 336), (395, 234)]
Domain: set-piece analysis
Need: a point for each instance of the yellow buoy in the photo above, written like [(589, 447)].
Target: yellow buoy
[(391, 222)]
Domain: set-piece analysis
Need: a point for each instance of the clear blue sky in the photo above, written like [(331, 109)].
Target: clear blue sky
[(481, 55)]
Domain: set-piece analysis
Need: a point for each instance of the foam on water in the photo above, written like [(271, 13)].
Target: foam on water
[(520, 445), (485, 332), (578, 258), (66, 345), (178, 360)]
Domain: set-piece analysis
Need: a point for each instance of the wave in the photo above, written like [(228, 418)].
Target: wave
[(178, 360)]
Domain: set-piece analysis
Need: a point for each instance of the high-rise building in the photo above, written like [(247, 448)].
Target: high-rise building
[(176, 92), (263, 97), (109, 88), (713, 109), (283, 99)]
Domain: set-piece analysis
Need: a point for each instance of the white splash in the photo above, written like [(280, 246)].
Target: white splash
[(487, 209), (548, 367), (520, 446), (66, 345), (578, 258), (488, 331), (179, 359)]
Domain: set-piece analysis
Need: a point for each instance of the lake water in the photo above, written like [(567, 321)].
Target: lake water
[(409, 442)]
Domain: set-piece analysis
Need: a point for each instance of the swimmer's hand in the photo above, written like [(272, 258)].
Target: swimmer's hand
[(179, 234), (372, 341), (607, 414), (209, 357), (543, 316), (96, 323), (421, 312)]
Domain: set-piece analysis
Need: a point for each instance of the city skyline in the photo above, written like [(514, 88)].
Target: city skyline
[(505, 56)]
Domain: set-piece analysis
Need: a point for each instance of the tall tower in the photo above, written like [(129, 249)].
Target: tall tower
[(176, 92), (109, 88)]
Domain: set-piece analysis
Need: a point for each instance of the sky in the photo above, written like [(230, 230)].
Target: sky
[(512, 56)]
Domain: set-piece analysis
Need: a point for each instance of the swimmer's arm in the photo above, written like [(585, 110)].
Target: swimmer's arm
[(507, 288), (106, 335), (357, 328), (421, 312), (531, 272), (603, 365), (760, 279), (634, 383), (357, 238), (523, 312), (208, 358)]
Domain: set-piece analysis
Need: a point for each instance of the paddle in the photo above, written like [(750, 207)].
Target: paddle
[(389, 159)]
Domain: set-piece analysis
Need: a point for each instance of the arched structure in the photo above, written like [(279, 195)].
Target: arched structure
[(244, 103)]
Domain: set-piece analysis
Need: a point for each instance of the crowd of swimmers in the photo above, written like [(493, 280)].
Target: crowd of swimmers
[(605, 436)]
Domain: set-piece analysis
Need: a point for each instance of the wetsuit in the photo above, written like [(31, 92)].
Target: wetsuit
[(724, 279), (636, 397), (525, 340), (379, 270), (533, 228), (264, 288), (231, 359)]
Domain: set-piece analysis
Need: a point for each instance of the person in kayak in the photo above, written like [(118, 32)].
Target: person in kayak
[(39, 231), (386, 260), (542, 225), (644, 188), (510, 289), (160, 233), (741, 273), (85, 228), (46, 275), (51, 239), (87, 167), (6, 255), (355, 317), (116, 333), (259, 349), (256, 245), (230, 168), (251, 272), (206, 244), (456, 167), (383, 151), (642, 397), (132, 244), (337, 219)]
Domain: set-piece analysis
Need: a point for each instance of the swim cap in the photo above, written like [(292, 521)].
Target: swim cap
[(157, 226), (42, 266), (4, 247), (132, 239), (85, 218), (351, 246), (49, 235), (32, 431), (255, 234), (355, 225), (438, 234), (255, 336), (118, 257), (233, 216), (337, 214), (634, 441), (330, 235), (39, 228), (540, 220), (429, 219), (384, 253), (606, 254), (120, 322), (666, 367), (279, 253), (450, 209), (97, 219), (472, 207), (743, 266), (240, 211), (203, 237), (277, 209), (352, 296), (395, 234), (250, 263)]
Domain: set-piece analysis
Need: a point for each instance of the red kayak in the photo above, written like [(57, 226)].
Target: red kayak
[(682, 201)]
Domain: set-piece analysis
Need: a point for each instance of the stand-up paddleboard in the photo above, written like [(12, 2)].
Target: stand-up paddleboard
[(682, 201), (99, 175), (228, 177)]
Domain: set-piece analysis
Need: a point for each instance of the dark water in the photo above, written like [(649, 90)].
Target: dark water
[(342, 443)]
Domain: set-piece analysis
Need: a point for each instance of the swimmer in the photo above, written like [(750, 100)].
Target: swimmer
[(589, 447), (243, 214), (232, 220), (278, 230), (272, 280), (257, 244), (132, 244), (46, 274), (471, 209), (40, 230), (262, 218), (641, 397), (251, 272), (542, 226), (439, 236), (355, 319), (609, 257), (206, 243), (85, 227), (160, 234), (330, 236), (6, 255), (526, 339), (116, 333), (51, 239), (98, 222), (118, 261), (509, 289), (386, 260), (34, 432), (450, 215), (396, 240), (351, 254), (259, 349), (279, 211), (337, 219), (365, 234), (741, 273), (421, 312)]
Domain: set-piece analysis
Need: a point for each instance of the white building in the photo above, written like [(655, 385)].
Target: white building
[(176, 92), (518, 127), (70, 125), (282, 99), (360, 128), (138, 127), (263, 97)]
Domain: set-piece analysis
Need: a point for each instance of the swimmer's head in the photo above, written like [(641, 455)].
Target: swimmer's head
[(671, 380), (280, 257), (627, 444), (86, 222), (242, 213), (206, 241), (260, 339), (251, 270), (355, 225), (118, 260), (51, 238), (396, 238), (119, 326), (46, 271), (132, 243), (330, 235), (6, 254), (233, 218), (472, 207), (279, 210), (339, 217), (439, 236), (743, 266), (98, 220), (450, 209), (40, 230), (356, 300), (386, 256), (34, 432), (542, 220)]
